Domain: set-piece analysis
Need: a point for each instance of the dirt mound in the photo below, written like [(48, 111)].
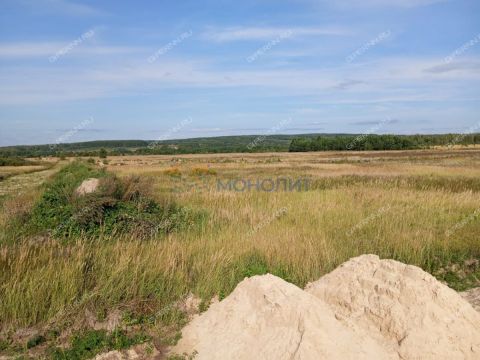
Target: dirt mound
[(417, 315), (367, 308), (88, 186), (267, 318)]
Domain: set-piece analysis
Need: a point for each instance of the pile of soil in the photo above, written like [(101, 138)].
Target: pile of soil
[(366, 309)]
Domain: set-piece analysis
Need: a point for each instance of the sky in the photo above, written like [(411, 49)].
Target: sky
[(74, 70)]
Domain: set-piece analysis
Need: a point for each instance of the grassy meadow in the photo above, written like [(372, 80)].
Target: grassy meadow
[(419, 207)]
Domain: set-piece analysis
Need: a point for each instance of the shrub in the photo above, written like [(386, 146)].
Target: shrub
[(102, 154), (16, 161), (117, 206)]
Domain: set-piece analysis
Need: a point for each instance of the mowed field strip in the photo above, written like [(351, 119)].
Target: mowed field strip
[(23, 178)]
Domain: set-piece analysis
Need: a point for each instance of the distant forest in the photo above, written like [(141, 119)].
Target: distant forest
[(242, 144), (381, 142), (222, 144)]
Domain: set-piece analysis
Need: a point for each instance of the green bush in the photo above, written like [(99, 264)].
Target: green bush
[(102, 154), (118, 206), (16, 161)]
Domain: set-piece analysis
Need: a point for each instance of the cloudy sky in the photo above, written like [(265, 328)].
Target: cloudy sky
[(146, 69)]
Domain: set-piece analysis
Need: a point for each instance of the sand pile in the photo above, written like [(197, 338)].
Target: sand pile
[(366, 309), (419, 317), (272, 319)]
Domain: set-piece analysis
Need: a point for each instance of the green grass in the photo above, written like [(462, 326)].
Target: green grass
[(90, 343)]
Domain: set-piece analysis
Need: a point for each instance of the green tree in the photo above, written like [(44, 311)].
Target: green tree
[(102, 154)]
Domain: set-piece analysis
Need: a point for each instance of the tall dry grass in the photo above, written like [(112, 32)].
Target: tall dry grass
[(44, 281)]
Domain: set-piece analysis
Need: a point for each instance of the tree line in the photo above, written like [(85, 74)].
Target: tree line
[(380, 142), (241, 144)]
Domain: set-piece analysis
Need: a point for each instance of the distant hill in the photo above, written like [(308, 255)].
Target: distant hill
[(243, 143), (221, 144)]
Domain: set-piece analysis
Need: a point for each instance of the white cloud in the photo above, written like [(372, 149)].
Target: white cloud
[(202, 130), (346, 4), (268, 33), (383, 81), (45, 49), (457, 67), (65, 7)]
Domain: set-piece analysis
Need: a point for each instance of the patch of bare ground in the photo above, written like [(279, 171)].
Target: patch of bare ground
[(473, 297)]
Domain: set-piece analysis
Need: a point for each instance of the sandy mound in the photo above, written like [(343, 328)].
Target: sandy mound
[(367, 308), (419, 317), (267, 318), (88, 186)]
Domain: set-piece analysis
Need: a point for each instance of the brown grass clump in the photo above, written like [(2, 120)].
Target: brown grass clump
[(201, 171), (173, 171)]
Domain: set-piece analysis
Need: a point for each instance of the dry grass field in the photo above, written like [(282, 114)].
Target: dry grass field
[(419, 207), (25, 177)]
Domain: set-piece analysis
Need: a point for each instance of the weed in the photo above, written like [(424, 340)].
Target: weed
[(4, 344), (35, 341), (93, 342)]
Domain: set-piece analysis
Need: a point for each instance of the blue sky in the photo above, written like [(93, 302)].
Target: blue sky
[(85, 70)]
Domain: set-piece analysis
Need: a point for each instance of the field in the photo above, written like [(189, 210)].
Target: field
[(25, 177), (419, 207)]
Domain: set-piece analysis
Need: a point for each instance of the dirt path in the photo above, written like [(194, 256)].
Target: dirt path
[(20, 183)]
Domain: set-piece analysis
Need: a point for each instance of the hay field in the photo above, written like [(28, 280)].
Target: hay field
[(419, 207)]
